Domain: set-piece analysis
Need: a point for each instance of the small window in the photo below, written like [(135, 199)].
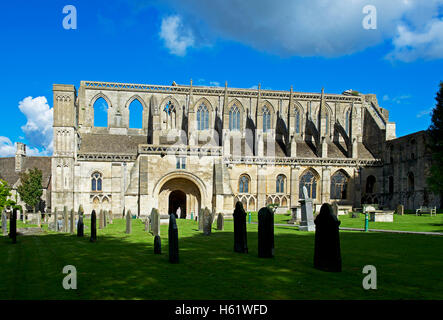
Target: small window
[(202, 117), (280, 184), (234, 119), (243, 185), (181, 163), (96, 181), (266, 120)]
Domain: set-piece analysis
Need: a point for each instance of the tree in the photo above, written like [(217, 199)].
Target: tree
[(30, 189), (5, 193), (435, 131)]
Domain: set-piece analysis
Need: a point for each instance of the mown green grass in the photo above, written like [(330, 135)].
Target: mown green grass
[(121, 266)]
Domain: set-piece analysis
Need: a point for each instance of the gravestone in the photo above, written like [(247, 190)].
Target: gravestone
[(265, 233), (295, 215), (240, 234), (105, 218), (200, 220), (39, 219), (65, 219), (128, 222), (327, 256), (147, 224), (80, 226), (55, 220), (155, 222), (72, 222), (4, 223), (110, 216), (101, 223), (307, 217), (13, 226), (178, 212), (173, 239), (220, 222), (335, 208), (93, 227), (157, 245), (400, 209), (207, 222)]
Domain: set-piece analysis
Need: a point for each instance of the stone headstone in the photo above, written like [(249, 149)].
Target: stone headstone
[(307, 216), (400, 209), (4, 223), (93, 227), (207, 222), (13, 226), (39, 219), (105, 218), (173, 239), (65, 219), (155, 222), (327, 254), (240, 234), (265, 233), (178, 212), (335, 208), (55, 220), (80, 226), (128, 222), (295, 215), (157, 245), (110, 217), (72, 222), (220, 222), (200, 220), (147, 224), (101, 220)]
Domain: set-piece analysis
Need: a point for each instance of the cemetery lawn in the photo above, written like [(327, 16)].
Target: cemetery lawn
[(121, 266)]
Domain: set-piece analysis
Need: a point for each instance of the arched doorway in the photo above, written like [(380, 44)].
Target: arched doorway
[(177, 199), (179, 192)]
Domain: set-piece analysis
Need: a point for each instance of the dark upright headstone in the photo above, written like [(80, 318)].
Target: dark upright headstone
[(65, 219), (4, 223), (105, 218), (240, 234), (80, 226), (147, 224), (220, 221), (207, 222), (265, 233), (173, 239), (157, 245), (71, 222), (128, 222), (101, 222), (13, 226), (200, 220), (93, 227), (327, 254), (55, 220)]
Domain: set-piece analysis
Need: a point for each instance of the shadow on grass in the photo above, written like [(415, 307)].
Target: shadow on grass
[(120, 266)]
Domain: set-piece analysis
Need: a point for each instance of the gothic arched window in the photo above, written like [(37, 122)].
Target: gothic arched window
[(169, 116), (96, 181), (347, 121), (280, 184), (234, 118), (339, 185), (297, 121), (266, 119), (309, 181), (202, 117), (243, 184)]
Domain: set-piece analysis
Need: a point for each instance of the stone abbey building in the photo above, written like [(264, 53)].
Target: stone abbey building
[(212, 146)]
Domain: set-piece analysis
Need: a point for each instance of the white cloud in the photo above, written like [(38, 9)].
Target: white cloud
[(324, 28), (423, 113), (215, 83), (410, 45), (38, 128), (7, 149), (177, 38)]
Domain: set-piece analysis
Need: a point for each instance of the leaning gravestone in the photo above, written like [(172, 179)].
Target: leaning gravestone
[(147, 224), (65, 217), (265, 233), (207, 222), (72, 222), (157, 245), (4, 223), (93, 227), (128, 222), (400, 209), (110, 216), (155, 222), (101, 219), (327, 254), (240, 234), (80, 225), (200, 220), (173, 239), (220, 222), (307, 217), (13, 226)]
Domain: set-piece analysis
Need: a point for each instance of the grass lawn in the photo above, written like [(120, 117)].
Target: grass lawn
[(121, 266)]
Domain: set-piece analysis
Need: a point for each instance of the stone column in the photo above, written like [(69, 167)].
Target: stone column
[(261, 187), (294, 185), (357, 187), (326, 184)]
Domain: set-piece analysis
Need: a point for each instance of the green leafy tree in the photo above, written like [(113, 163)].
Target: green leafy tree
[(5, 194), (30, 189), (435, 180)]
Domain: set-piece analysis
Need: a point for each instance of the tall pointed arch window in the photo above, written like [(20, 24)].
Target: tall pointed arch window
[(297, 121), (266, 119), (339, 185), (243, 184), (234, 118), (96, 181), (202, 117), (280, 184), (309, 181)]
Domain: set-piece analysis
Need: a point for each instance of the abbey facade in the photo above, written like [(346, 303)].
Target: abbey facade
[(212, 146)]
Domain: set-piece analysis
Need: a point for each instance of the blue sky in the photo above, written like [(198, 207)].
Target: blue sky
[(307, 44)]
